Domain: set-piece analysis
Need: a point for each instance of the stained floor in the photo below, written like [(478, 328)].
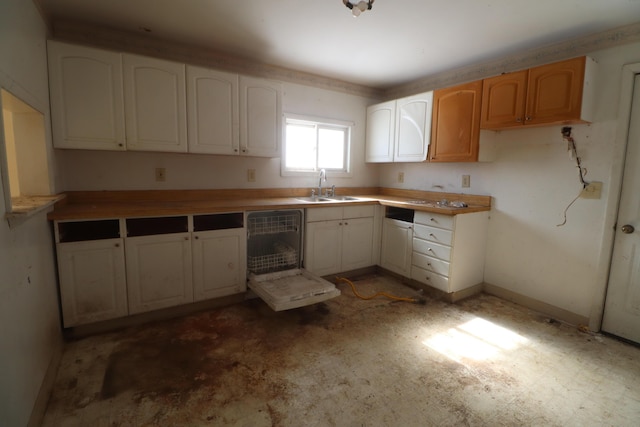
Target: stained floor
[(350, 362)]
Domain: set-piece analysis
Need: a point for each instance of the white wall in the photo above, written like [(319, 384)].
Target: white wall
[(101, 170), (532, 180), (30, 337)]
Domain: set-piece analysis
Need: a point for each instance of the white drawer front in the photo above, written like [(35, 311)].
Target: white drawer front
[(429, 278), (433, 234), (434, 220), (324, 214), (432, 249), (431, 264), (360, 211)]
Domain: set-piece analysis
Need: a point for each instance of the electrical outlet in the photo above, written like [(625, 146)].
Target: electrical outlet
[(592, 191), (400, 176), (251, 175), (161, 174), (466, 181)]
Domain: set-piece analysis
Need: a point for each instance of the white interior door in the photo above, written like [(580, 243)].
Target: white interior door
[(622, 306)]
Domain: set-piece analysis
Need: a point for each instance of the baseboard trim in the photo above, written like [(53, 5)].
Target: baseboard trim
[(46, 387), (549, 310)]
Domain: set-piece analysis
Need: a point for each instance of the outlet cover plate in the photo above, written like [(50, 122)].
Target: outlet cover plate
[(592, 191)]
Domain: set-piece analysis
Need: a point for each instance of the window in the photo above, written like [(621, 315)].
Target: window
[(24, 168), (312, 144)]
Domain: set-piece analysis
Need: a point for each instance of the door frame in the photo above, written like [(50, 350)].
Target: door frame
[(629, 71)]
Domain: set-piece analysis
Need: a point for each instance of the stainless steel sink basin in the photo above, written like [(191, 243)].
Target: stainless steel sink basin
[(314, 199), (344, 198)]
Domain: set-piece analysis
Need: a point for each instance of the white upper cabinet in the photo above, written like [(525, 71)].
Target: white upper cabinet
[(86, 97), (413, 127), (212, 111), (155, 104), (381, 130), (260, 117), (399, 130)]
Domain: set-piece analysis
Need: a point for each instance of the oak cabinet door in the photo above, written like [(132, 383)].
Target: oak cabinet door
[(503, 100), (456, 123)]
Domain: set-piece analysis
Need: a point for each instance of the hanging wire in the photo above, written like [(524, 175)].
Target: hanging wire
[(566, 135)]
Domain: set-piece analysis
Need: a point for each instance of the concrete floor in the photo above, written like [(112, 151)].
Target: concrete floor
[(349, 362)]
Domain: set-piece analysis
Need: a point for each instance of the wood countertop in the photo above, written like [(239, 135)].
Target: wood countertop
[(127, 204)]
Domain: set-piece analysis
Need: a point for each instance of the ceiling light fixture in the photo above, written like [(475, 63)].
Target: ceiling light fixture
[(358, 6)]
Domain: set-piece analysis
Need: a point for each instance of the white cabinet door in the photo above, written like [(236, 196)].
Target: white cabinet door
[(357, 240), (212, 111), (413, 127), (380, 132), (219, 263), (323, 254), (159, 271), (87, 109), (397, 243), (155, 104), (260, 117), (92, 281)]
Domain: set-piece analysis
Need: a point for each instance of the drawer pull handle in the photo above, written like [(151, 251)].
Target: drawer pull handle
[(428, 279), (433, 219), (429, 250), (117, 245), (429, 264), (432, 235)]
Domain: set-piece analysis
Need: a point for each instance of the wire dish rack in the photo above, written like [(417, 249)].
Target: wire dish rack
[(275, 256), (263, 225)]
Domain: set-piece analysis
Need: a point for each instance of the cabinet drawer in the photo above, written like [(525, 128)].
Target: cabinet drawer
[(433, 234), (434, 220), (426, 247), (361, 211), (324, 214), (429, 278), (431, 264)]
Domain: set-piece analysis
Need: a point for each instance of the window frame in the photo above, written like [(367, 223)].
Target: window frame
[(318, 123)]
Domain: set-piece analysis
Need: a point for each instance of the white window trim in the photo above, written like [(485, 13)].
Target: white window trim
[(318, 121)]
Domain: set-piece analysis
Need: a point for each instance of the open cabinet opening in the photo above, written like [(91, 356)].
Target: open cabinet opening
[(25, 166)]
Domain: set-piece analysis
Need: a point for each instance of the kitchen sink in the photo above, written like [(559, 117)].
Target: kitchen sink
[(344, 198), (314, 199)]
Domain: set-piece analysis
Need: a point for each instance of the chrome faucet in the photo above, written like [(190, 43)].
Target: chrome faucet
[(322, 177)]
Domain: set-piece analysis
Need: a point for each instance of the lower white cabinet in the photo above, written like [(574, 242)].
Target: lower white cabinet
[(91, 270), (396, 246), (92, 281), (448, 251), (219, 263), (159, 271), (162, 262), (339, 239)]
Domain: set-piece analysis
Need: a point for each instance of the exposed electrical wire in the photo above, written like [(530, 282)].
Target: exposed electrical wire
[(566, 135)]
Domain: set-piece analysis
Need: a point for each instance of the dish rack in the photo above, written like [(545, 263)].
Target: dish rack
[(273, 241)]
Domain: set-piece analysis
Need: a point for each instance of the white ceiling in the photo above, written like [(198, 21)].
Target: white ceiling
[(396, 42)]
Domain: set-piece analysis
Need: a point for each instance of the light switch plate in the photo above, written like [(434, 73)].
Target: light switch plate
[(592, 191)]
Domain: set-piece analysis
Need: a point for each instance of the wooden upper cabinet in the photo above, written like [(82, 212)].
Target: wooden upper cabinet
[(549, 94), (503, 100), (455, 129), (555, 92)]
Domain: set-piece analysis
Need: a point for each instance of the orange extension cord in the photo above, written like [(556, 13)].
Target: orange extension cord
[(382, 293)]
